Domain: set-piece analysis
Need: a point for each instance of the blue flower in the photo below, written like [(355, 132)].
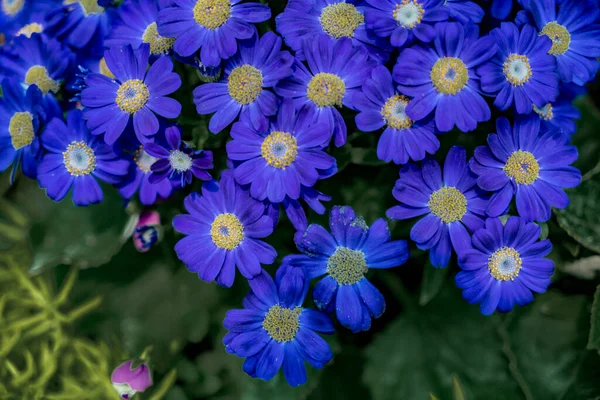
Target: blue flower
[(75, 159), (278, 161), (465, 11), (312, 197), (442, 77), (81, 24), (24, 17), (274, 330), (501, 9), (380, 105), (560, 114), (404, 20), (133, 94), (504, 265), (136, 24), (138, 178), (305, 19), (575, 33), (177, 161), (531, 165), (522, 72), (20, 118), (452, 204), (213, 26), (259, 64), (224, 226), (37, 61), (344, 256), (337, 70)]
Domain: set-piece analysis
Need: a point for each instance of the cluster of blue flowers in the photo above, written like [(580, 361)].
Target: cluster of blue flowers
[(87, 96)]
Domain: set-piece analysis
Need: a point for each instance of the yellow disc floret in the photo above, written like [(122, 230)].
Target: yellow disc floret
[(211, 14), (545, 112), (245, 83), (132, 96), (408, 14), (522, 167), (326, 89), (505, 264), (38, 75), (347, 266), (30, 29), (88, 6), (103, 68), (143, 160), (449, 75), (20, 129), (448, 203), (279, 149), (79, 159), (340, 20), (227, 231), (281, 323), (158, 44), (12, 7), (394, 112), (560, 36), (517, 69)]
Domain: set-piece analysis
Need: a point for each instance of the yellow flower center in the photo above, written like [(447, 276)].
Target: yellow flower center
[(20, 129), (560, 36), (38, 75), (30, 29), (448, 203), (281, 323), (340, 20), (158, 44), (505, 264), (227, 231), (517, 69), (408, 14), (132, 96), (326, 89), (143, 160), (88, 6), (103, 68), (394, 112), (347, 266), (279, 149), (211, 14), (12, 7), (449, 75), (79, 159), (245, 84), (522, 167), (545, 112)]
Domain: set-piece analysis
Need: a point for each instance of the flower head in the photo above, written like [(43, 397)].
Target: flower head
[(379, 105), (403, 21), (442, 77), (177, 162), (531, 165), (573, 27), (452, 204), (258, 65), (23, 17), (213, 26), (224, 226), (278, 161), (343, 257), (560, 114), (336, 70), (465, 11), (504, 265), (522, 72), (334, 18), (147, 231), (274, 330), (75, 159), (128, 381), (134, 93)]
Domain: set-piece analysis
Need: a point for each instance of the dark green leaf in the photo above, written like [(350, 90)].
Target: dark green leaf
[(586, 138), (433, 280), (594, 339), (581, 219), (362, 156)]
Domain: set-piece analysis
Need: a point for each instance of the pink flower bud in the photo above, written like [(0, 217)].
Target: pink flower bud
[(129, 381), (146, 231)]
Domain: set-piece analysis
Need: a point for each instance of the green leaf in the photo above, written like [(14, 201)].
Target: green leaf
[(457, 390), (586, 138), (362, 156), (581, 219), (594, 339), (433, 280)]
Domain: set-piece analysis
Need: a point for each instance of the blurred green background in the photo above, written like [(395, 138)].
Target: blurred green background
[(77, 299)]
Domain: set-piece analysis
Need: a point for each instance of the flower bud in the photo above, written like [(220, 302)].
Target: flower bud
[(128, 381), (146, 231)]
